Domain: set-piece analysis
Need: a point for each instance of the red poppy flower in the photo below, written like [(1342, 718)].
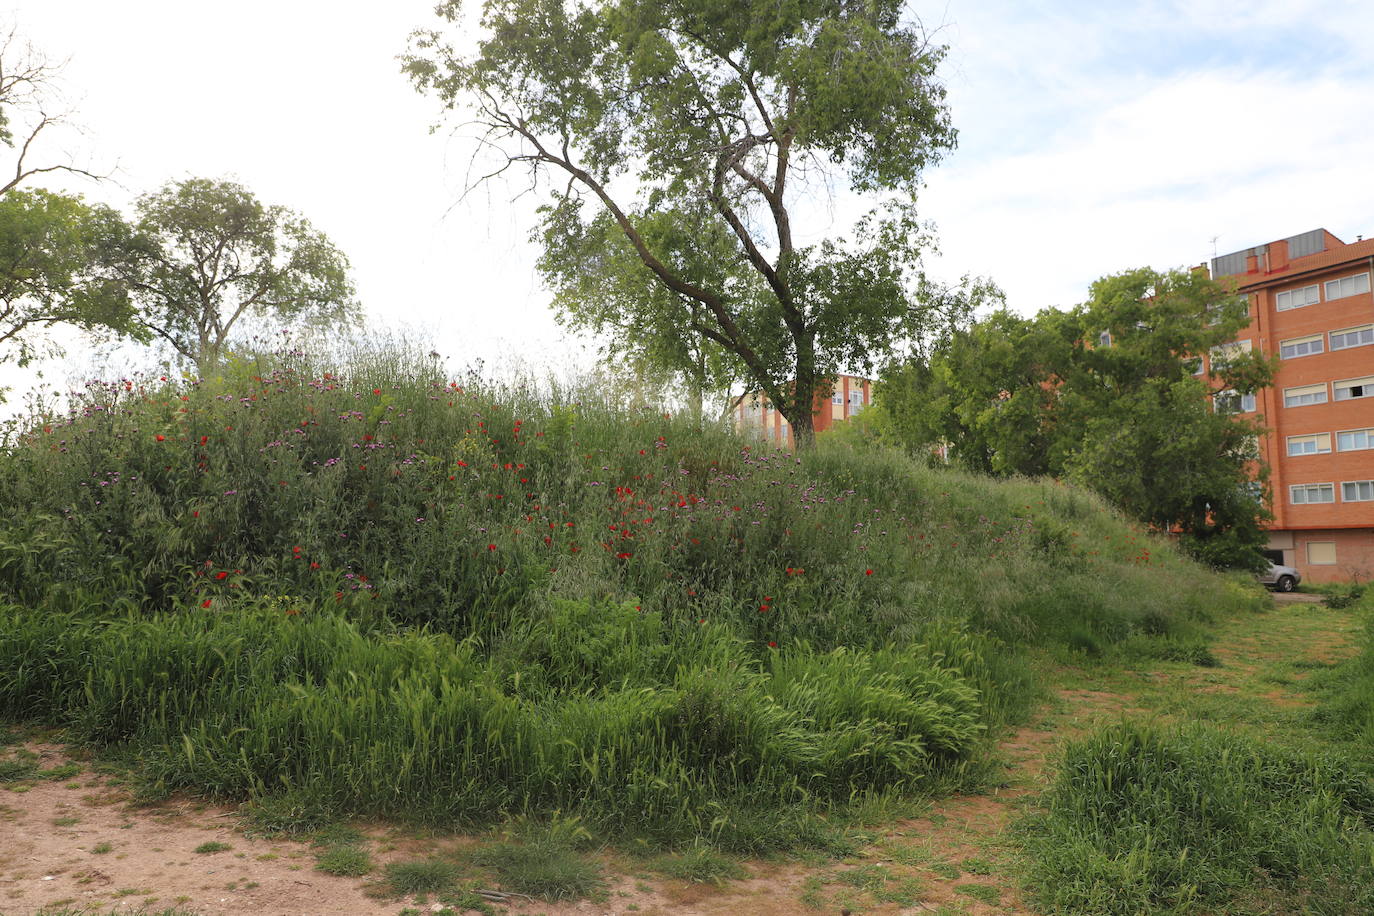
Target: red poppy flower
[(868, 572), (222, 575), (204, 439), (160, 437), (623, 556), (376, 391), (772, 645), (205, 603), (491, 546)]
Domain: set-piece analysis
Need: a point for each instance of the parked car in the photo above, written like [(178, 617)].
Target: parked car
[(1280, 578)]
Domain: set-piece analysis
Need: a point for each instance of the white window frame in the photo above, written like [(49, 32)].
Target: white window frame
[(1195, 370), (1368, 439), (1104, 339), (1303, 391), (1357, 485), (1306, 488), (1245, 403), (1311, 295), (837, 396), (1365, 384), (1355, 284), (1363, 334), (1312, 562), (1312, 439), (1302, 346)]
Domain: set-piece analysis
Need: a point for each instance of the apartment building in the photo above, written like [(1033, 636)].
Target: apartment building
[(848, 396), (1311, 305)]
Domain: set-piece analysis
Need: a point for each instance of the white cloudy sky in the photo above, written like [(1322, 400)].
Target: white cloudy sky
[(1094, 136)]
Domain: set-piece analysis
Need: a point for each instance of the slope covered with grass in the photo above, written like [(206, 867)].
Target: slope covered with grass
[(374, 589)]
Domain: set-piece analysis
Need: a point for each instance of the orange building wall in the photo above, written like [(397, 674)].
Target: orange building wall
[(769, 423), (1349, 525)]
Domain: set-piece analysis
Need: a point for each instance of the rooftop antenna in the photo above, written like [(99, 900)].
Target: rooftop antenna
[(1214, 246)]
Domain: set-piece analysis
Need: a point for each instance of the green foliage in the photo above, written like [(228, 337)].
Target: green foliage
[(55, 269), (205, 253), (212, 846), (380, 592), (543, 861), (428, 877), (682, 123), (1104, 396), (700, 865), (1143, 820), (347, 861)]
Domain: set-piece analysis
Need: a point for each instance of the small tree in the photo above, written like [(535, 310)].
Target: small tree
[(694, 128), (205, 253)]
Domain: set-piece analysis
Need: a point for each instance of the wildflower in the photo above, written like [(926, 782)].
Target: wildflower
[(624, 555), (491, 546), (160, 437), (376, 391), (205, 603), (204, 440), (868, 572), (772, 645), (222, 575)]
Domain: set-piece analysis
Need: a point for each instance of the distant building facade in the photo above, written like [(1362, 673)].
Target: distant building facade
[(849, 394), (1311, 305)]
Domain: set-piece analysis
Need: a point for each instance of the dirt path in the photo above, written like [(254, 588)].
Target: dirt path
[(73, 840)]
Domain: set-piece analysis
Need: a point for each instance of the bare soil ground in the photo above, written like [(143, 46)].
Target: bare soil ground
[(78, 843)]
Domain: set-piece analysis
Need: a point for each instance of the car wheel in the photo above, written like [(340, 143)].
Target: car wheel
[(1285, 584)]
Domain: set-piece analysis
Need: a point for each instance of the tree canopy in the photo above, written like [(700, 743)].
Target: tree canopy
[(56, 268), (696, 130), (204, 253), (1111, 395)]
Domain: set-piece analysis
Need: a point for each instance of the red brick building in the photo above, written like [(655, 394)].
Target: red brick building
[(1311, 306), (849, 395)]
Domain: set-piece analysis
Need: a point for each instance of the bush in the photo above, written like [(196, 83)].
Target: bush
[(1145, 820), (380, 591)]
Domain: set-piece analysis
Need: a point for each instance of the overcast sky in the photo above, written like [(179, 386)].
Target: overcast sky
[(1094, 137)]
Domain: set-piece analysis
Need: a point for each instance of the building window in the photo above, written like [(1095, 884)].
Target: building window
[(1357, 491), (1222, 355), (1104, 339), (1307, 394), (1305, 493), (1300, 346), (1355, 440), (1347, 286), (1193, 364), (1320, 444), (1296, 298), (1321, 553), (837, 397), (1254, 490), (1352, 337), (1234, 402), (856, 398), (1350, 389)]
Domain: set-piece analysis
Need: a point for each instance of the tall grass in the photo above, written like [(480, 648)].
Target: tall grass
[(1146, 820), (376, 589)]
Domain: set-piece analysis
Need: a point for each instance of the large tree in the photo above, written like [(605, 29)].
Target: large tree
[(205, 253), (696, 129), (31, 111), (1111, 395), (56, 268)]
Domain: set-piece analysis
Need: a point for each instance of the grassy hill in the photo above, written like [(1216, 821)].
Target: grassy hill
[(369, 589)]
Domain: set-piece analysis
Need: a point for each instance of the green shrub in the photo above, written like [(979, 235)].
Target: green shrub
[(379, 591), (1143, 820), (431, 876)]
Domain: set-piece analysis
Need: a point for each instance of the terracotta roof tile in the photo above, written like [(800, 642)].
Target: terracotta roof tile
[(1331, 257)]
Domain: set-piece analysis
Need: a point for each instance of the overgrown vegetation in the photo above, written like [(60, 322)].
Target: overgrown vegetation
[(380, 591), (1146, 819)]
